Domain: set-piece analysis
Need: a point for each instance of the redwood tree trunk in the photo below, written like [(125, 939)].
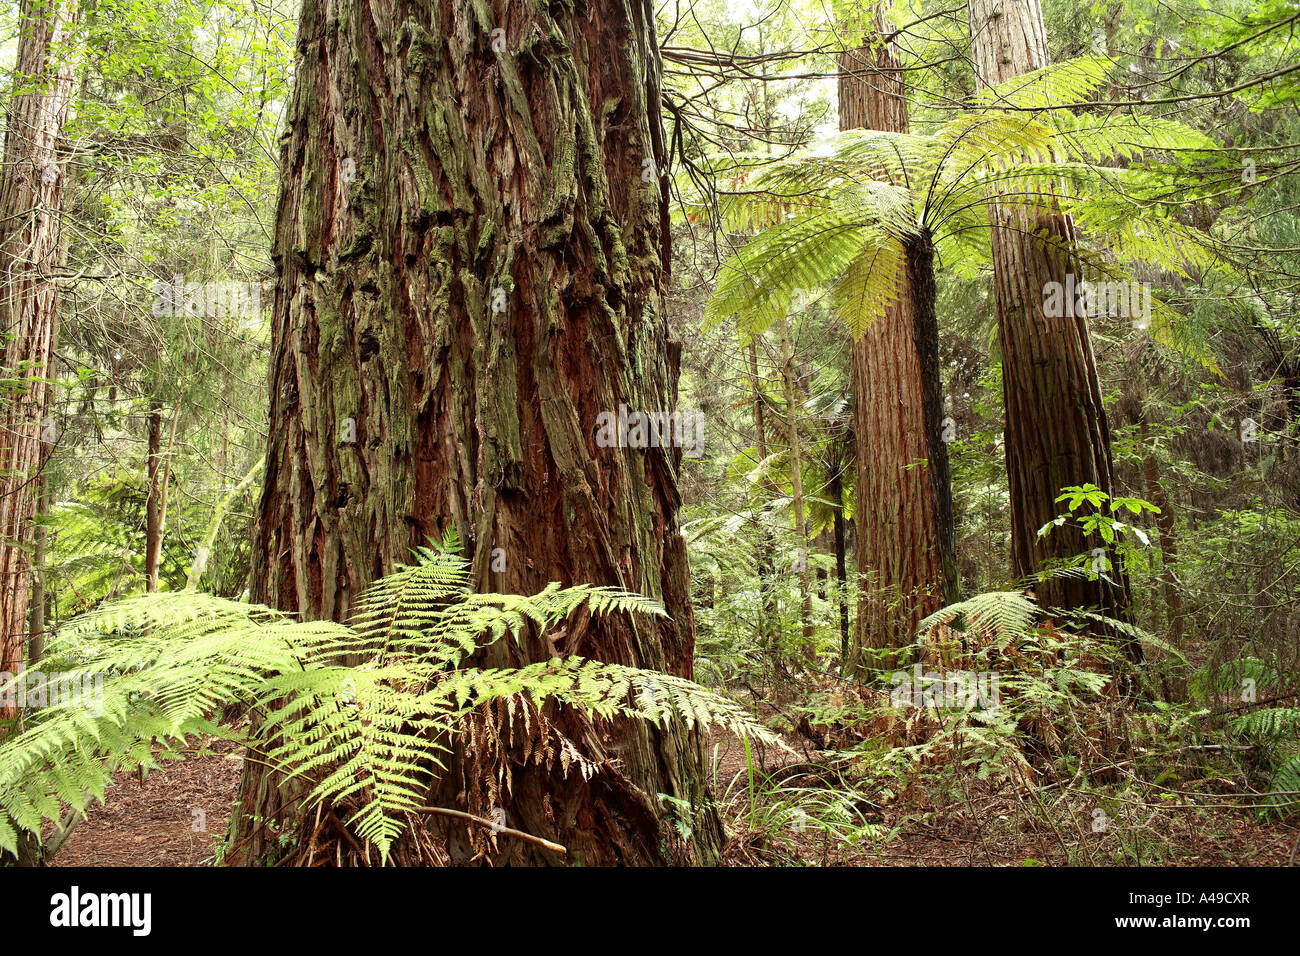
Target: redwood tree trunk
[(1056, 429), (31, 194), (472, 251), (904, 499)]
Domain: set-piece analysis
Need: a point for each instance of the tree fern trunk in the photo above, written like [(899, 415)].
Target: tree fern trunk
[(1056, 429), (472, 248), (31, 195), (904, 540)]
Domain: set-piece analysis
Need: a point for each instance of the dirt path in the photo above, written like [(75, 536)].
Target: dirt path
[(173, 819)]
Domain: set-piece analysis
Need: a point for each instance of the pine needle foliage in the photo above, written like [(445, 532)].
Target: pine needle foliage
[(367, 735)]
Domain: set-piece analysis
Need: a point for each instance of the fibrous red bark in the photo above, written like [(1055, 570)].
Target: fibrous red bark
[(31, 197), (904, 499), (472, 251), (1056, 429)]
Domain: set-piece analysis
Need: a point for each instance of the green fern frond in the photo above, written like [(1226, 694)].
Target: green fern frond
[(369, 738), (1070, 81), (868, 285), (1282, 796), (992, 615), (759, 283), (1271, 723)]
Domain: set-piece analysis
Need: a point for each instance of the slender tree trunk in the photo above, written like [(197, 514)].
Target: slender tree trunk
[(835, 488), (159, 474), (152, 509), (764, 557), (904, 518), (31, 196), (925, 338), (1155, 493), (472, 250), (1056, 429), (796, 483), (40, 555)]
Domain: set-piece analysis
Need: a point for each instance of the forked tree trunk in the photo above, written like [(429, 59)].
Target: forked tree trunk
[(31, 196), (904, 500), (472, 250), (1056, 429)]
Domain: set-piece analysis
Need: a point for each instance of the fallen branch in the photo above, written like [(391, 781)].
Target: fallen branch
[(496, 827)]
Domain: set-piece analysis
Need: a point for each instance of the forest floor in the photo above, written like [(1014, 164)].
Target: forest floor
[(175, 816), (987, 826)]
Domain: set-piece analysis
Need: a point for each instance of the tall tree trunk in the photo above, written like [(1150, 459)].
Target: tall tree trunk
[(40, 555), (1056, 429), (1155, 493), (925, 338), (764, 556), (31, 196), (905, 543), (158, 472), (796, 483), (153, 481), (835, 489), (30, 851), (472, 250)]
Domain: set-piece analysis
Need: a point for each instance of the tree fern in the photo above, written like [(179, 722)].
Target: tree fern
[(994, 616), (840, 214)]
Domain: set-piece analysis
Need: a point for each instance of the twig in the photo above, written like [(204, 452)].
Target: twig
[(497, 827), (332, 818)]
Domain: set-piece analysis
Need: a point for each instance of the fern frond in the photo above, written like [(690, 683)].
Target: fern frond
[(369, 738), (1069, 81), (1270, 723), (992, 615), (758, 284)]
